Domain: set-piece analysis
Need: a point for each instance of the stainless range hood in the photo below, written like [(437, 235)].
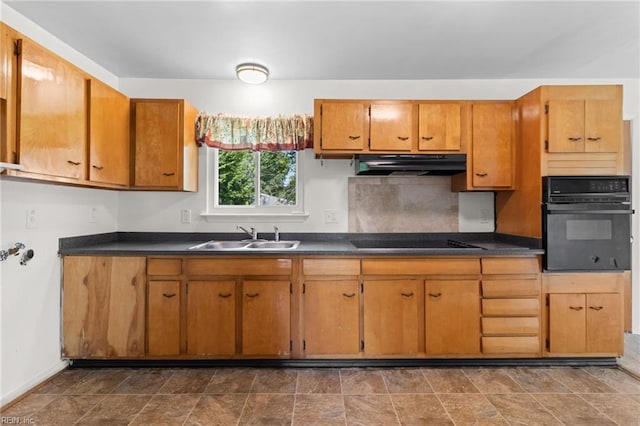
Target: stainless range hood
[(410, 164)]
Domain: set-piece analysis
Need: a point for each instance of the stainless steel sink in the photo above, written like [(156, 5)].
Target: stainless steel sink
[(246, 245)]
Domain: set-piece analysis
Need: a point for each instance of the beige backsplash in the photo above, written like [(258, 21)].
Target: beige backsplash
[(402, 204)]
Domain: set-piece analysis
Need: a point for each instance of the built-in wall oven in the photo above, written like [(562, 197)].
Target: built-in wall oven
[(586, 223)]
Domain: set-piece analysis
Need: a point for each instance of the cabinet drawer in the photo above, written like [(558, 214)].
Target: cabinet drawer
[(331, 266), (514, 307), (431, 266), (510, 265), (510, 325), (510, 288), (510, 345), (250, 266), (163, 266)]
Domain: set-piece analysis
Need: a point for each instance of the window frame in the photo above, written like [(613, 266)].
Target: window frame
[(215, 212)]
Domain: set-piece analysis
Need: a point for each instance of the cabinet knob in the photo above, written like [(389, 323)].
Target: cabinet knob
[(407, 294), (97, 167), (224, 296), (349, 295), (168, 295), (354, 137), (403, 138), (168, 173), (427, 138), (481, 174), (252, 295), (596, 308), (594, 139), (576, 308), (73, 163), (435, 295), (575, 139)]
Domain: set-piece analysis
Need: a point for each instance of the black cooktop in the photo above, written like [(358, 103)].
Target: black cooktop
[(413, 244)]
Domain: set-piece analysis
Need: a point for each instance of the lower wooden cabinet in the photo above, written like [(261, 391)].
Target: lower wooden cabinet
[(163, 320), (103, 312), (452, 311), (266, 318), (392, 317)]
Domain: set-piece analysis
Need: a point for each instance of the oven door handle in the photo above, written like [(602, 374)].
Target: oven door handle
[(588, 212)]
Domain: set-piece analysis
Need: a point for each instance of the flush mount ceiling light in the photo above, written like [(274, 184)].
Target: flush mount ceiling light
[(252, 73)]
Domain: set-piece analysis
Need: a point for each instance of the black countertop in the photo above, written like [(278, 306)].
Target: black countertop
[(174, 243)]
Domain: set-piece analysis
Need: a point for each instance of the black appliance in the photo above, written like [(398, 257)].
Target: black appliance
[(586, 223), (410, 164)]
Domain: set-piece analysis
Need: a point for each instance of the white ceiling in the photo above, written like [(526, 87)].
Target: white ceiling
[(340, 40)]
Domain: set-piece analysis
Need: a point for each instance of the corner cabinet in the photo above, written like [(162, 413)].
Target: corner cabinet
[(164, 151), (103, 307)]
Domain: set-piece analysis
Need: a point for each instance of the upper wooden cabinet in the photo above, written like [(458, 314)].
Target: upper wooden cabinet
[(439, 127), (589, 125), (52, 115), (392, 127), (164, 150), (108, 134), (344, 126)]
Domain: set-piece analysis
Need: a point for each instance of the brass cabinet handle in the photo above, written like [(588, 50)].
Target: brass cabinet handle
[(403, 138), (596, 308), (97, 167), (168, 174), (168, 296), (435, 295), (427, 138), (575, 139), (354, 137), (74, 163), (407, 294), (594, 139), (349, 295), (576, 308), (481, 174), (252, 295), (224, 296)]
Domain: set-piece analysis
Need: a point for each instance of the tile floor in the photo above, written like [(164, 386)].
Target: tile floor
[(353, 396)]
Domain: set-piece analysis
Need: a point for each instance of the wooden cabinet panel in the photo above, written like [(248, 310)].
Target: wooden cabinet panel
[(266, 318), (250, 266), (344, 126), (603, 125), (452, 310), (510, 288), (566, 125), (492, 145), (511, 307), (424, 266), (331, 266), (52, 114), (164, 150), (391, 127), (108, 135), (567, 323), (510, 345), (391, 317), (163, 320), (604, 323), (511, 265), (164, 266), (103, 306), (439, 127), (211, 317), (510, 325), (331, 317), (5, 62)]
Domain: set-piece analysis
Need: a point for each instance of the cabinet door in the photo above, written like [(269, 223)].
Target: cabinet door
[(492, 145), (391, 317), (604, 323), (603, 125), (211, 317), (439, 127), (567, 322), (157, 144), (331, 317), (566, 121), (391, 127), (266, 318), (5, 62), (103, 306), (344, 126), (52, 114), (452, 311), (163, 323), (108, 135)]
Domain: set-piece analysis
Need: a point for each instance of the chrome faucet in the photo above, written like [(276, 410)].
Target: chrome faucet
[(276, 231), (253, 233)]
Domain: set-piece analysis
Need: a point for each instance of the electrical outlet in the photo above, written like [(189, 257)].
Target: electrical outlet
[(330, 216), (93, 214), (32, 219), (484, 216), (185, 216)]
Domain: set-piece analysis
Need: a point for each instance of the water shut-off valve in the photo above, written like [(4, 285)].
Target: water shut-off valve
[(27, 255)]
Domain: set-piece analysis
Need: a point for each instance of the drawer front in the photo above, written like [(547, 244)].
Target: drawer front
[(511, 265), (511, 307), (427, 266), (510, 288), (244, 267), (164, 266), (510, 325), (511, 345), (331, 266)]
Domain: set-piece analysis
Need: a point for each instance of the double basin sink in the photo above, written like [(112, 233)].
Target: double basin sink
[(248, 245)]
